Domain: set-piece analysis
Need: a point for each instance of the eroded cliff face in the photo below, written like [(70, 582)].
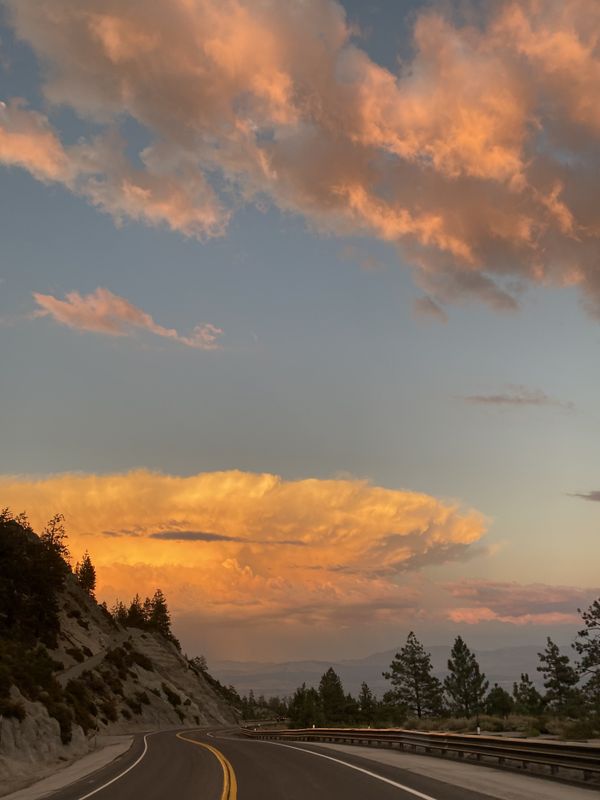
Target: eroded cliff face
[(111, 680)]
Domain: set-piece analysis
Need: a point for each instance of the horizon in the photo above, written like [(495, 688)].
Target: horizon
[(298, 310)]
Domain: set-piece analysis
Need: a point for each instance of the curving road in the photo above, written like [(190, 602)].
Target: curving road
[(193, 765)]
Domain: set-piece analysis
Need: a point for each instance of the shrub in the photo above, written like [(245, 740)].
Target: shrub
[(134, 705), (578, 729), (62, 714), (75, 653), (142, 697), (81, 701), (141, 660), (12, 710), (109, 709), (171, 696)]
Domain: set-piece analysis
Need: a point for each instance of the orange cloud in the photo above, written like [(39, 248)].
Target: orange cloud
[(477, 157), (27, 140), (257, 547), (104, 312)]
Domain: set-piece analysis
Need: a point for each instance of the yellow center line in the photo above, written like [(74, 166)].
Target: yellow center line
[(229, 781)]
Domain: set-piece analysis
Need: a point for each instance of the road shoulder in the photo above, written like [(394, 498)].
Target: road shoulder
[(488, 781), (111, 748)]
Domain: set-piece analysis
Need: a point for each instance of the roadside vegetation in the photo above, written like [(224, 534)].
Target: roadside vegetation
[(36, 579), (568, 706)]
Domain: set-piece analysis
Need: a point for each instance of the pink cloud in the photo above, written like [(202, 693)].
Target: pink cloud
[(477, 158), (102, 311), (517, 604)]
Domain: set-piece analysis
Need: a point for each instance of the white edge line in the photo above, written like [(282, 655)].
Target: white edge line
[(120, 775), (351, 766)]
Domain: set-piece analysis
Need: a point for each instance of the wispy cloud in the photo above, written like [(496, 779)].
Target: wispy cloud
[(594, 495), (517, 396), (365, 260), (103, 312), (426, 307), (478, 158)]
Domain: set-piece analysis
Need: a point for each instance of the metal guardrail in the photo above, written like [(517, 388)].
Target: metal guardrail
[(504, 751)]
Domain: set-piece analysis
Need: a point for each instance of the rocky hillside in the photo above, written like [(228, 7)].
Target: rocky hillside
[(69, 671)]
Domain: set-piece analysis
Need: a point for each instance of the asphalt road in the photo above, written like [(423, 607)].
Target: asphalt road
[(215, 765)]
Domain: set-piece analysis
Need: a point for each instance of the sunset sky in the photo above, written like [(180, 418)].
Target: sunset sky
[(300, 312)]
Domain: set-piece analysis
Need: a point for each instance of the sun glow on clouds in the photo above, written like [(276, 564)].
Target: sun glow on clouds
[(517, 604), (253, 546), (104, 312), (478, 157)]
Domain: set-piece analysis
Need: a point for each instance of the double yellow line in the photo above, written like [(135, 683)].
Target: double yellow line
[(229, 782)]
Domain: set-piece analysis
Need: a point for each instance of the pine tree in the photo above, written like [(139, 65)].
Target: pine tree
[(587, 646), (367, 704), (527, 698), (135, 613), (119, 612), (560, 679), (331, 694), (465, 684), (85, 572), (305, 708), (498, 703), (411, 676), (160, 619), (54, 536)]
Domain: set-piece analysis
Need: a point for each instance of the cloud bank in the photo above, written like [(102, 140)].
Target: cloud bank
[(517, 396), (594, 495), (518, 604), (477, 157), (103, 312), (309, 551)]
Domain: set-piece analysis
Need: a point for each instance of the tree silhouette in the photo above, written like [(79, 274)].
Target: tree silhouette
[(367, 704), (498, 703), (465, 684), (333, 699), (411, 676), (560, 679), (85, 572), (527, 698), (305, 708), (587, 646)]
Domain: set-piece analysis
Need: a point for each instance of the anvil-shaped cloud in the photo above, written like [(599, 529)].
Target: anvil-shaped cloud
[(310, 550), (478, 157)]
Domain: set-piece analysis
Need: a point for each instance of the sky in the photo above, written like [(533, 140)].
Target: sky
[(299, 312)]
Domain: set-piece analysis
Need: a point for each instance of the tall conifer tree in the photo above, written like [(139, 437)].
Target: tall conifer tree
[(411, 676), (465, 684), (560, 679)]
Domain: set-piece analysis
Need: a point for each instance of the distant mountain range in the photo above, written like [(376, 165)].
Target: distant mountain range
[(503, 666)]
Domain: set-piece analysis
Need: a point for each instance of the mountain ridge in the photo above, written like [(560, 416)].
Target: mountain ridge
[(502, 665)]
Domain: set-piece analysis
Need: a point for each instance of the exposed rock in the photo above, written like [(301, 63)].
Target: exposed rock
[(114, 680)]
